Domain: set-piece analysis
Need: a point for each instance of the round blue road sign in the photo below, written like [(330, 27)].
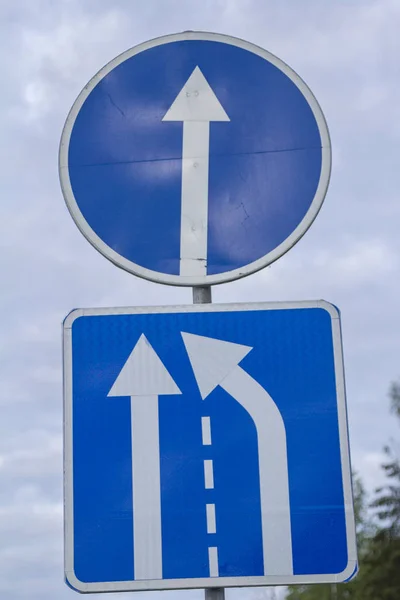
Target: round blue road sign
[(195, 159)]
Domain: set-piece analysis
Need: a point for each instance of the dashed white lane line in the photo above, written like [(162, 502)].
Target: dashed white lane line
[(206, 431), (211, 522), (208, 474), (213, 561), (210, 508)]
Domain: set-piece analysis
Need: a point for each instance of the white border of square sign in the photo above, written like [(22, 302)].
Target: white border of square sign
[(209, 582)]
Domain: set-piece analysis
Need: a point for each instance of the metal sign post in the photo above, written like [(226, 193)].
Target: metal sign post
[(215, 594), (202, 295)]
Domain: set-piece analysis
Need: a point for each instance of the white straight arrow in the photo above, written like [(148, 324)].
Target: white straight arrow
[(196, 105), (144, 377), (215, 362)]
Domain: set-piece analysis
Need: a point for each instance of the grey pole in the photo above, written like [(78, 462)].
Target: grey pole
[(215, 594), (202, 295)]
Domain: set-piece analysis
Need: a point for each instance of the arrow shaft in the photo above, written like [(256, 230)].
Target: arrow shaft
[(146, 487), (194, 211), (273, 468)]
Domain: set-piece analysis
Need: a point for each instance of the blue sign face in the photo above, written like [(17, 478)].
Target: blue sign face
[(206, 446), (195, 158)]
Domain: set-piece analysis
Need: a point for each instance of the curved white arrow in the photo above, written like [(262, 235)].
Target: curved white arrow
[(144, 377), (196, 105), (215, 362)]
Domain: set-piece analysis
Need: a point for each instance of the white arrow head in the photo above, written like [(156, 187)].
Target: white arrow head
[(144, 374), (212, 360), (196, 102)]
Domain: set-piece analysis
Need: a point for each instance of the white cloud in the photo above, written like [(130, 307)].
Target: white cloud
[(362, 263), (34, 454), (53, 58), (370, 465)]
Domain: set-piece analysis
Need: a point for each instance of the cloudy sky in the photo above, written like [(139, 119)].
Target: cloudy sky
[(347, 51)]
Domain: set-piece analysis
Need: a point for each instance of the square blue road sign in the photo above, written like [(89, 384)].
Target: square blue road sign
[(206, 446)]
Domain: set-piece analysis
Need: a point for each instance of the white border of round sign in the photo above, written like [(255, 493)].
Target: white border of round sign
[(180, 280)]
